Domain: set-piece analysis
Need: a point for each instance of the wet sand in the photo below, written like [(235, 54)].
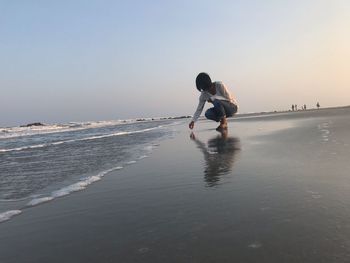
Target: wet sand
[(276, 188)]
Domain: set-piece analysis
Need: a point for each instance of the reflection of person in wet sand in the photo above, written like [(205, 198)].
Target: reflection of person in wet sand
[(219, 154)]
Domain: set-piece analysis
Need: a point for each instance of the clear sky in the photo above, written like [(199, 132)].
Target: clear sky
[(100, 60)]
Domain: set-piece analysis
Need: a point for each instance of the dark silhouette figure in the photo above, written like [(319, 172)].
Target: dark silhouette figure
[(296, 107), (318, 105), (293, 107), (219, 155), (225, 105), (304, 106)]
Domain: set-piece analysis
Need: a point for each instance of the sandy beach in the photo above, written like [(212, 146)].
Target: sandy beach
[(276, 188)]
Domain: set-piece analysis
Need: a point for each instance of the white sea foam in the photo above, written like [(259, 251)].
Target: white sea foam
[(150, 147), (37, 201), (13, 200), (325, 132), (255, 245), (131, 162), (81, 185), (8, 214), (75, 187), (12, 132), (314, 195), (57, 143), (325, 135), (80, 139)]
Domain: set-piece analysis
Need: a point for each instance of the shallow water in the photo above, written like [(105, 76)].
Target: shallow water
[(38, 165), (271, 190), (274, 189)]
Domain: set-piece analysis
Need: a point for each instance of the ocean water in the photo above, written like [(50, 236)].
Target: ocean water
[(39, 164)]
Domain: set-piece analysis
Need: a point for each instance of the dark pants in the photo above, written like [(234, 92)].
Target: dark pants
[(221, 109)]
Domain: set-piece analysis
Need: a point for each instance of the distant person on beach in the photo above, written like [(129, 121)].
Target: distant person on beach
[(318, 105), (293, 107), (216, 93)]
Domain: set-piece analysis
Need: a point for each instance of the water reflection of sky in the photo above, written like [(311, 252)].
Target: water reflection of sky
[(219, 154)]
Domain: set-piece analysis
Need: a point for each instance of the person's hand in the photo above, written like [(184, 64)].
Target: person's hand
[(191, 125)]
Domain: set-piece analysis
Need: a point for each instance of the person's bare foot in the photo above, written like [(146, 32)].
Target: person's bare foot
[(223, 125), (221, 128)]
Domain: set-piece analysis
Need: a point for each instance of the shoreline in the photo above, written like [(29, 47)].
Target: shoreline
[(128, 121)]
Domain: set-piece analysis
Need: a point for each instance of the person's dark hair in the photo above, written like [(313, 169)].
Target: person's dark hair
[(203, 81)]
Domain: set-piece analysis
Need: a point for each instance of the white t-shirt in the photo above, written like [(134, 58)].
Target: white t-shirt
[(222, 93)]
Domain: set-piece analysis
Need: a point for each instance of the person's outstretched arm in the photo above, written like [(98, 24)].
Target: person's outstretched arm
[(197, 113)]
